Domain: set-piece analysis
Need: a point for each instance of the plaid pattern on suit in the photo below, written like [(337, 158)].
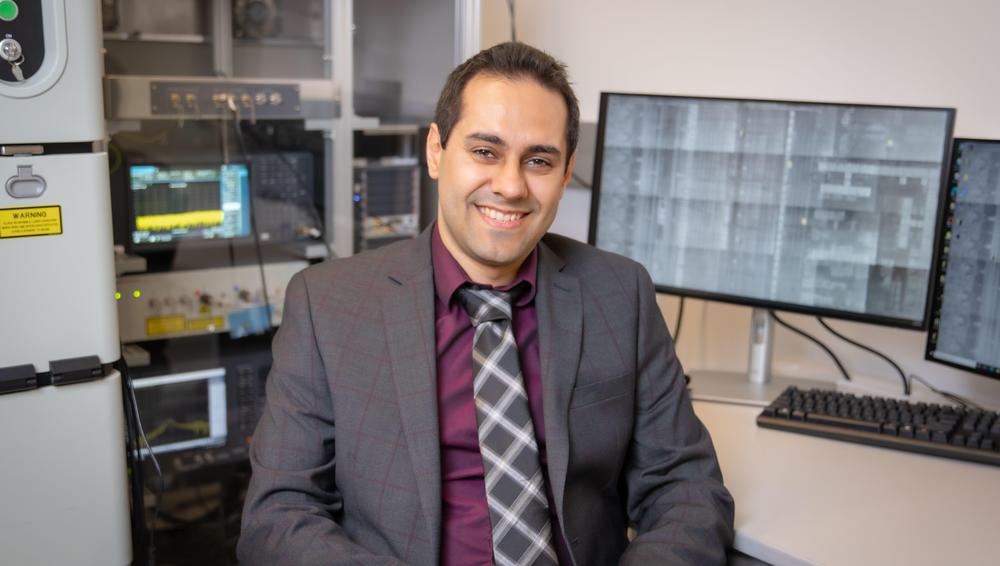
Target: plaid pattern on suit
[(346, 459)]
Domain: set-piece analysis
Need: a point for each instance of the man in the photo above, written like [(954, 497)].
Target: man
[(484, 393)]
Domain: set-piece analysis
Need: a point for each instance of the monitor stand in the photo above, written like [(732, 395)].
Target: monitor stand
[(757, 386)]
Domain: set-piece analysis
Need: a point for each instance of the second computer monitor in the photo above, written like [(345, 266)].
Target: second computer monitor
[(826, 209), (186, 203), (965, 324)]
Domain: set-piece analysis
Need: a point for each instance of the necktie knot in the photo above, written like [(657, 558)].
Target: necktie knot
[(486, 305)]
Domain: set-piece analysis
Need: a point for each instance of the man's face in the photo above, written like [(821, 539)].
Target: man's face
[(501, 176)]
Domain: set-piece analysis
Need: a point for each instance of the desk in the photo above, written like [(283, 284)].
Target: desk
[(808, 500)]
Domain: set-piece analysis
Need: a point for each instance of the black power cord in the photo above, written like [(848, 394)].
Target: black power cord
[(960, 400), (283, 158), (680, 319), (137, 439), (253, 220), (902, 376), (140, 536), (810, 337), (513, 20)]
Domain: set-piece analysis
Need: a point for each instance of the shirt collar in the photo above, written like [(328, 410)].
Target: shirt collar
[(449, 275)]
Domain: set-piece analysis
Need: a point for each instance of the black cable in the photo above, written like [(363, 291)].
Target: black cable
[(513, 21), (136, 507), (316, 217), (677, 325), (802, 333), (128, 390), (253, 223), (899, 370), (960, 400)]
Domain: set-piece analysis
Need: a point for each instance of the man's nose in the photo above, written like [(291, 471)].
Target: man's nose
[(510, 182)]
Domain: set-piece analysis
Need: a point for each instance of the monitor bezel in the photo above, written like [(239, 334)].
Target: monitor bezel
[(214, 380), (938, 271), (777, 305), (187, 243)]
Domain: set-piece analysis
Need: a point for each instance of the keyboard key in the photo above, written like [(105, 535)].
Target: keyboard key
[(855, 424)]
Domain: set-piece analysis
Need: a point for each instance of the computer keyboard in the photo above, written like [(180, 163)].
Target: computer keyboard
[(938, 430)]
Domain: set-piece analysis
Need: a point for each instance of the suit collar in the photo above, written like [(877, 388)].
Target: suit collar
[(559, 305), (410, 258), (408, 315)]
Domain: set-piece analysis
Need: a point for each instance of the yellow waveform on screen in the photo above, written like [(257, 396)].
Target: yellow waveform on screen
[(192, 219), (199, 428)]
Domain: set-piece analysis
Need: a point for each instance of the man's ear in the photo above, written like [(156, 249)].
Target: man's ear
[(569, 169), (434, 149)]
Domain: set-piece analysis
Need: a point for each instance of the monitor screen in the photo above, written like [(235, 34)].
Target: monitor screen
[(965, 323), (173, 203), (825, 209), (183, 411)]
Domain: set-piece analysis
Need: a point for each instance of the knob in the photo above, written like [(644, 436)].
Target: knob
[(10, 50)]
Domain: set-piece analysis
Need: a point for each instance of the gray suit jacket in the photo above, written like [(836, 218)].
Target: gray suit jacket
[(346, 459)]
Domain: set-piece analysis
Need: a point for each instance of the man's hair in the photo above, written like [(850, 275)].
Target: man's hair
[(511, 60)]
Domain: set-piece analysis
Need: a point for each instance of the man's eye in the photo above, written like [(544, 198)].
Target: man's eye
[(483, 152), (537, 162)]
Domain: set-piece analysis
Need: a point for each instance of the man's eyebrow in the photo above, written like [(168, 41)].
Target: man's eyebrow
[(488, 138), (542, 148)]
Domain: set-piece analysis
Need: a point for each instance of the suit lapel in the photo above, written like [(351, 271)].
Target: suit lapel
[(560, 333), (408, 312)]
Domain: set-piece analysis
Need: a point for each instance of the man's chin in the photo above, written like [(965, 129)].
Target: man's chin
[(498, 259)]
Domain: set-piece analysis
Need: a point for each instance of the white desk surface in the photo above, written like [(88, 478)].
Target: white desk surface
[(807, 500)]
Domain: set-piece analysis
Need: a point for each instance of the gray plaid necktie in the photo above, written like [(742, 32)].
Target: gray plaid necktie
[(515, 488)]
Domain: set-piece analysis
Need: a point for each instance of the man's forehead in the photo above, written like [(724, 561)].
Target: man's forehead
[(487, 91)]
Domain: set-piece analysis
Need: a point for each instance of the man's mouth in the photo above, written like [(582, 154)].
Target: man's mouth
[(500, 215)]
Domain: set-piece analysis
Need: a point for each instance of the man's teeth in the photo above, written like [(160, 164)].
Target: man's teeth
[(497, 215)]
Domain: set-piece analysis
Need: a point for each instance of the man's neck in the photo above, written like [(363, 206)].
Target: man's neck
[(485, 274), (481, 274)]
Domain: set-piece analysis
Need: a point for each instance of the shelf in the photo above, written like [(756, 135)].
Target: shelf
[(143, 37)]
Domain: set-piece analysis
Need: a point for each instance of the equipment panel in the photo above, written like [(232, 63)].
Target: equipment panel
[(206, 301)]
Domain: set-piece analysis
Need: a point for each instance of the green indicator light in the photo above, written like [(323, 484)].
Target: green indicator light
[(118, 296), (8, 10), (136, 294)]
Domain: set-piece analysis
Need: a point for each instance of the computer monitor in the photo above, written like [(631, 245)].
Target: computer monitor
[(170, 204), (182, 411), (818, 208), (965, 306)]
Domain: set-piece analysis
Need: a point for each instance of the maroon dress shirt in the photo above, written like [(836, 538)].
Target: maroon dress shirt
[(466, 535)]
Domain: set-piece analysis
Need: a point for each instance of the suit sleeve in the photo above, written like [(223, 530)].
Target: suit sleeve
[(675, 497), (292, 503)]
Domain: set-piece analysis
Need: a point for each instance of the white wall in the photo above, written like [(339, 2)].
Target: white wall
[(911, 52)]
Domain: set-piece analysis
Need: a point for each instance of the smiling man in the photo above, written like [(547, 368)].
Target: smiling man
[(484, 393)]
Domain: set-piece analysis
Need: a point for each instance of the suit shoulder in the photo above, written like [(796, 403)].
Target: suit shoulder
[(361, 272), (584, 259)]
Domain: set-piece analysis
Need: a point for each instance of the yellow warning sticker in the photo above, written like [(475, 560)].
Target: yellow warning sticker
[(159, 325), (30, 221)]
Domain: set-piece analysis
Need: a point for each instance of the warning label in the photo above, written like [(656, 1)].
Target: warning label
[(30, 221), (157, 325)]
